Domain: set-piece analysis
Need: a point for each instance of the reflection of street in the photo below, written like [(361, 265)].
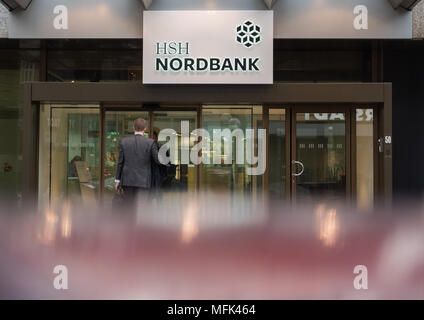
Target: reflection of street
[(111, 159), (229, 177)]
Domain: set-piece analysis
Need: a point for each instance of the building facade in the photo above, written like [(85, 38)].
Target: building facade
[(338, 98)]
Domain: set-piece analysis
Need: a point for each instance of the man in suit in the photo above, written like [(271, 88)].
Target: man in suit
[(134, 170)]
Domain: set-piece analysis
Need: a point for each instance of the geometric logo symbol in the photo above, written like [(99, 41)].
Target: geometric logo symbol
[(248, 34)]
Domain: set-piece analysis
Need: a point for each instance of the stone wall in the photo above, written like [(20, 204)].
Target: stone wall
[(418, 21), (3, 21)]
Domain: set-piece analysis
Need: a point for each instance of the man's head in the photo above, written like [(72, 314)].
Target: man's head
[(139, 125)]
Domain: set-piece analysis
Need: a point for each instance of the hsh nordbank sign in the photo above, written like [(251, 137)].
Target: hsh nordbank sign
[(208, 47)]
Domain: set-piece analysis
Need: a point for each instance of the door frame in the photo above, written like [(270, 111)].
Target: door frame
[(351, 162), (288, 111), (347, 110), (134, 92)]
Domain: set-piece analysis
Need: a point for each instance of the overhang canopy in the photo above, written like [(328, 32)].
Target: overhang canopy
[(16, 4), (293, 19), (269, 3), (23, 4), (404, 4)]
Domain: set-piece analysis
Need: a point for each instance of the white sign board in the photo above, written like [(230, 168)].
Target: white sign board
[(210, 47)]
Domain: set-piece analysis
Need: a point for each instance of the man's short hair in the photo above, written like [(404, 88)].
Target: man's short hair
[(139, 124)]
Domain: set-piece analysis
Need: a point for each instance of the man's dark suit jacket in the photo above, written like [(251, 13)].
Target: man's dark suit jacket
[(136, 154)]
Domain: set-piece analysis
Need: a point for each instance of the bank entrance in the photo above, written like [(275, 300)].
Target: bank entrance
[(325, 149)]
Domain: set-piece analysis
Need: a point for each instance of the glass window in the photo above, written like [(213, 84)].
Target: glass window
[(94, 60), (69, 148), (180, 176), (230, 175), (320, 157), (322, 60), (18, 63)]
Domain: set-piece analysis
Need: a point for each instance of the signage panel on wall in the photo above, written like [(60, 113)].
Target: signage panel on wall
[(199, 47)]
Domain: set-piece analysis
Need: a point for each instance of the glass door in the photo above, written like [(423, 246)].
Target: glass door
[(117, 125), (320, 153), (227, 175), (69, 155), (180, 176)]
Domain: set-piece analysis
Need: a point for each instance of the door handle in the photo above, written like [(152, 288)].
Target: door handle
[(301, 171), (380, 143)]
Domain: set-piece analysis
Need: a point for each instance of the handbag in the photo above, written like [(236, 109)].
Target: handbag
[(118, 199)]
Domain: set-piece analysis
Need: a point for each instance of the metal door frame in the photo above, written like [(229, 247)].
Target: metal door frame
[(282, 94), (347, 110)]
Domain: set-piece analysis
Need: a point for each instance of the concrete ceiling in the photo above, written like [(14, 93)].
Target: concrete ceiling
[(23, 4)]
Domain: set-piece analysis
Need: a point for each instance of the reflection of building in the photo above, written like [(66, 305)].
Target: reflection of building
[(329, 104)]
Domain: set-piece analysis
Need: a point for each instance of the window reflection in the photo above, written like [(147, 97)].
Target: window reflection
[(179, 177), (69, 154), (230, 177), (94, 60), (321, 149), (17, 66)]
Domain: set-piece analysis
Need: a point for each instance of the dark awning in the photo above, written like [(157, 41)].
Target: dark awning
[(404, 4), (16, 4)]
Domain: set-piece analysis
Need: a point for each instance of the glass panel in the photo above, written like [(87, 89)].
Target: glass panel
[(69, 154), (322, 60), (232, 177), (181, 177), (321, 149), (277, 153), (16, 67), (44, 157), (365, 158), (94, 60), (118, 124)]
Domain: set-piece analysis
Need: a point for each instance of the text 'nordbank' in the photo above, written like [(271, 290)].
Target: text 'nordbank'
[(222, 47)]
